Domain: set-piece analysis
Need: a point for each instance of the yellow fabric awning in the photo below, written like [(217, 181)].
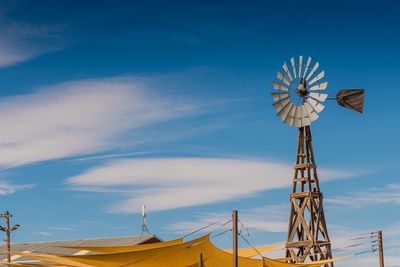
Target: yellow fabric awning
[(180, 255), (250, 252), (115, 249)]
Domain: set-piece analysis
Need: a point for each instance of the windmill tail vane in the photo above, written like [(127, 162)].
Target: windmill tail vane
[(352, 99)]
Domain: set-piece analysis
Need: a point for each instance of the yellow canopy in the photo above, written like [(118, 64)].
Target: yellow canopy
[(180, 255), (251, 252), (31, 264), (243, 252), (114, 249)]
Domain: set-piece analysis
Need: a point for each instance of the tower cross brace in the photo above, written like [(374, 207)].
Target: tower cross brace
[(308, 238)]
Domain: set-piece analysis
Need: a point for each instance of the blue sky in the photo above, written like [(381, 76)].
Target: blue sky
[(110, 106)]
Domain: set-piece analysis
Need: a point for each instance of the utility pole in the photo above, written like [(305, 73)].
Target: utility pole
[(380, 243), (235, 237), (7, 216)]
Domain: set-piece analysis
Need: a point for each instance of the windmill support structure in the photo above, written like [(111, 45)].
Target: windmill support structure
[(308, 238)]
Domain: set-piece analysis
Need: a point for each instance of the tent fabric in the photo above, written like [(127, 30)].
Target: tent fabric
[(251, 252), (31, 264), (114, 249), (180, 255), (243, 252)]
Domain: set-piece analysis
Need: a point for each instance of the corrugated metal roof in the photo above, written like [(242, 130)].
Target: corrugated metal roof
[(51, 246)]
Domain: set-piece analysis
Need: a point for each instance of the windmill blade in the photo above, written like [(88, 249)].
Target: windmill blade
[(281, 77), (308, 108), (293, 67), (305, 120), (319, 96), (352, 99), (318, 107), (300, 65), (307, 66), (297, 117), (321, 86), (279, 86), (317, 78), (290, 117), (279, 105), (279, 95), (297, 123), (313, 116), (285, 111), (286, 69), (312, 71)]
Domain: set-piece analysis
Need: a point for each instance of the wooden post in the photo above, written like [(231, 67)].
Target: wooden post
[(200, 260), (7, 216), (380, 242), (8, 240), (235, 237)]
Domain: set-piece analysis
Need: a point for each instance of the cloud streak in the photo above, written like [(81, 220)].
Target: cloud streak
[(22, 41), (191, 181), (252, 219), (390, 194), (80, 117), (8, 188)]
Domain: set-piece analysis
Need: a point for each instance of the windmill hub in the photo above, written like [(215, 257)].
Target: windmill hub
[(301, 89)]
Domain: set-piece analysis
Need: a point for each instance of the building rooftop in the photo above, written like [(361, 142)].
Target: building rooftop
[(51, 246)]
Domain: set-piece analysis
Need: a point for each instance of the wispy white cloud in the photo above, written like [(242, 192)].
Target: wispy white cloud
[(44, 233), (22, 41), (192, 181), (269, 218), (63, 229), (8, 188), (389, 194), (80, 117)]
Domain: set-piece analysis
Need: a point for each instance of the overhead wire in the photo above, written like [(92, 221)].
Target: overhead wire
[(207, 226), (223, 232), (248, 242)]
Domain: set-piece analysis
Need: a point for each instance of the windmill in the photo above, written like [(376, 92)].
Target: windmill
[(298, 98)]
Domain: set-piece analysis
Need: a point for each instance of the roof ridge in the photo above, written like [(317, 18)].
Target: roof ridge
[(146, 237)]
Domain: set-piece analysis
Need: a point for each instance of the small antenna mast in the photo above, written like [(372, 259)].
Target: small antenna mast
[(144, 230)]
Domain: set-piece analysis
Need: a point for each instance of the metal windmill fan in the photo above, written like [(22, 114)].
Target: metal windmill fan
[(299, 94)]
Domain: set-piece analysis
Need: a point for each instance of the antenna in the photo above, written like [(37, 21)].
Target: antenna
[(144, 230), (298, 100)]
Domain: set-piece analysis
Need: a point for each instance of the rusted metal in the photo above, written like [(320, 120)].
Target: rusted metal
[(352, 99)]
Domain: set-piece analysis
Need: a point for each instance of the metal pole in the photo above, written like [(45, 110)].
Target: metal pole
[(235, 237), (200, 260), (380, 241)]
